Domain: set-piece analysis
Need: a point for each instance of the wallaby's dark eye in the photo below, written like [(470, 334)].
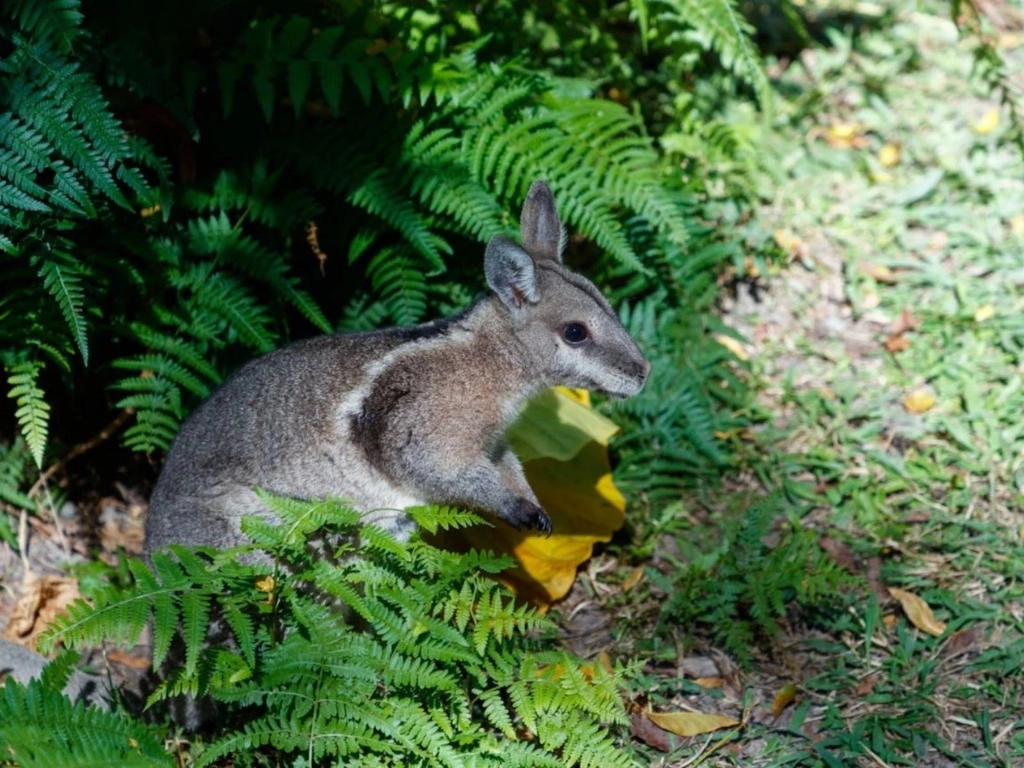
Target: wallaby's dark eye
[(574, 333)]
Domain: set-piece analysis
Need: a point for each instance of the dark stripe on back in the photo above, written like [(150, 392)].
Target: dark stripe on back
[(440, 327)]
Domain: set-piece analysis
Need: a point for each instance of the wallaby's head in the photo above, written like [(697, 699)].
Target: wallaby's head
[(564, 323)]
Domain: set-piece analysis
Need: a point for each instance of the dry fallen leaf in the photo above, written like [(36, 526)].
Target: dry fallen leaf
[(710, 682), (984, 313), (889, 155), (650, 734), (785, 697), (128, 660), (1008, 40), (41, 601), (961, 641), (988, 123), (691, 723), (840, 552), (918, 612), (1017, 224), (633, 579), (790, 243), (866, 686), (846, 135), (920, 400), (905, 322), (896, 344), (880, 272), (732, 345)]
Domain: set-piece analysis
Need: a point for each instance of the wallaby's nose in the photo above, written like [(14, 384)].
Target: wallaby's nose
[(643, 369)]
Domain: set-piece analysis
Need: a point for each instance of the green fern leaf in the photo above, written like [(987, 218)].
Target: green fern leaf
[(33, 412), (65, 286)]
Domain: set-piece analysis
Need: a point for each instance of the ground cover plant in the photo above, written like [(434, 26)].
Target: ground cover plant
[(822, 554)]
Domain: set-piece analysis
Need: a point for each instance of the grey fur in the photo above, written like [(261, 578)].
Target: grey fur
[(401, 417)]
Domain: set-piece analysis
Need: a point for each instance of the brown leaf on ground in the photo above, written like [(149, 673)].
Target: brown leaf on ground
[(651, 735), (918, 611), (905, 322), (866, 686), (691, 723), (896, 344), (24, 616), (880, 273), (785, 697), (135, 662), (873, 574), (961, 641), (841, 553), (41, 601), (897, 341), (709, 682)]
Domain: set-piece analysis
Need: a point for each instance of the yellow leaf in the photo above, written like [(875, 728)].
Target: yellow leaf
[(918, 612), (844, 131), (783, 699), (732, 345), (690, 723), (787, 241), (889, 155), (633, 579), (564, 447), (1017, 224), (919, 401), (988, 123), (557, 424), (984, 313), (1008, 40), (709, 682)]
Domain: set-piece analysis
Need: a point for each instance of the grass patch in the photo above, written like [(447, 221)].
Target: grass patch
[(890, 452)]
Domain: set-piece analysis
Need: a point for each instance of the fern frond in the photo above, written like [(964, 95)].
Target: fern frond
[(62, 279), (718, 25), (33, 412), (55, 20), (39, 726)]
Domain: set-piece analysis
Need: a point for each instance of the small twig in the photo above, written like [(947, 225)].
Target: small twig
[(55, 514), (101, 436), (23, 541)]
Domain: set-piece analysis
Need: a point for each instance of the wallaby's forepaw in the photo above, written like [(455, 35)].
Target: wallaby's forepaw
[(523, 513)]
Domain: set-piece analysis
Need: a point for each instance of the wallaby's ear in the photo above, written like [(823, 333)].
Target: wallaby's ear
[(510, 272), (541, 229)]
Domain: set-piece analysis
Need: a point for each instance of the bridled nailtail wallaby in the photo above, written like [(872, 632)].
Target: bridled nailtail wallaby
[(406, 416)]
